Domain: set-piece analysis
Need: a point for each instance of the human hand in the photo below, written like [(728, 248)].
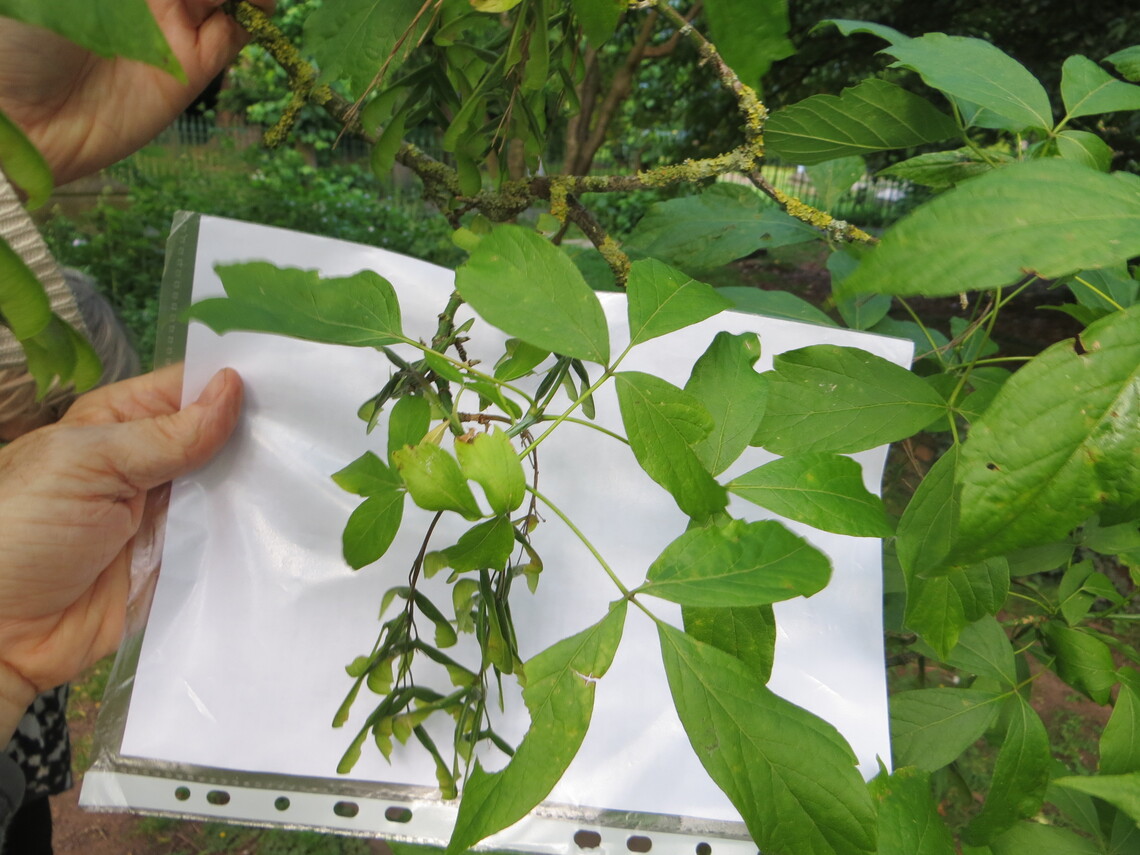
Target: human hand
[(85, 112), (71, 500)]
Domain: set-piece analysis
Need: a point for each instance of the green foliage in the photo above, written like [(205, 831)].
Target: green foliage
[(873, 116), (1035, 469), (121, 245), (126, 29)]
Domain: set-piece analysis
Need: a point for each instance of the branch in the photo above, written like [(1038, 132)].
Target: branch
[(825, 222)]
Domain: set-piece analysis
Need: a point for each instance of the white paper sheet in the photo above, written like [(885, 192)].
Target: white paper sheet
[(256, 614)]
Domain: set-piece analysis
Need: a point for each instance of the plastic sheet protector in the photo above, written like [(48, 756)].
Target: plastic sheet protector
[(221, 706)]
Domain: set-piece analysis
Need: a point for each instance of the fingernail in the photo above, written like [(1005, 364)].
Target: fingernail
[(213, 389)]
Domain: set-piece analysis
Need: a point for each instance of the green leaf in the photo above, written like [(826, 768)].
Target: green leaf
[(1127, 62), (724, 223), (1088, 90), (930, 521), (559, 694), (408, 422), (737, 564), (491, 461), (746, 632), (663, 424), (984, 649), (435, 481), (848, 27), (830, 398), (23, 164), (820, 489), (23, 302), (973, 70), (486, 546), (519, 360), (835, 177), (359, 310), (59, 351), (1120, 740), (125, 28), (1083, 660), (1122, 791), (352, 39), (931, 727), (524, 285), (1050, 217), (1085, 149), (909, 821), (724, 381), (750, 34), (663, 299), (789, 774), (939, 609), (372, 527), (386, 148), (1021, 775), (599, 18), (774, 304), (1056, 445), (1028, 837), (940, 169), (1105, 290), (863, 311), (367, 476), (873, 116)]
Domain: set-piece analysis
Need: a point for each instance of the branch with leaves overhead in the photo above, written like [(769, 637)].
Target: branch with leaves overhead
[(444, 187)]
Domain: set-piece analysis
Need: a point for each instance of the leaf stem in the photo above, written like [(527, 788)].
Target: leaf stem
[(558, 512), (606, 375)]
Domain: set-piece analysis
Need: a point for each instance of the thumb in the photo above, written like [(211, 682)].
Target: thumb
[(151, 451)]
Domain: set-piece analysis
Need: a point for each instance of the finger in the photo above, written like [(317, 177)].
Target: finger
[(153, 394), (151, 451)]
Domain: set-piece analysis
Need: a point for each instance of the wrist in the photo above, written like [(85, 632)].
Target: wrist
[(16, 695)]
